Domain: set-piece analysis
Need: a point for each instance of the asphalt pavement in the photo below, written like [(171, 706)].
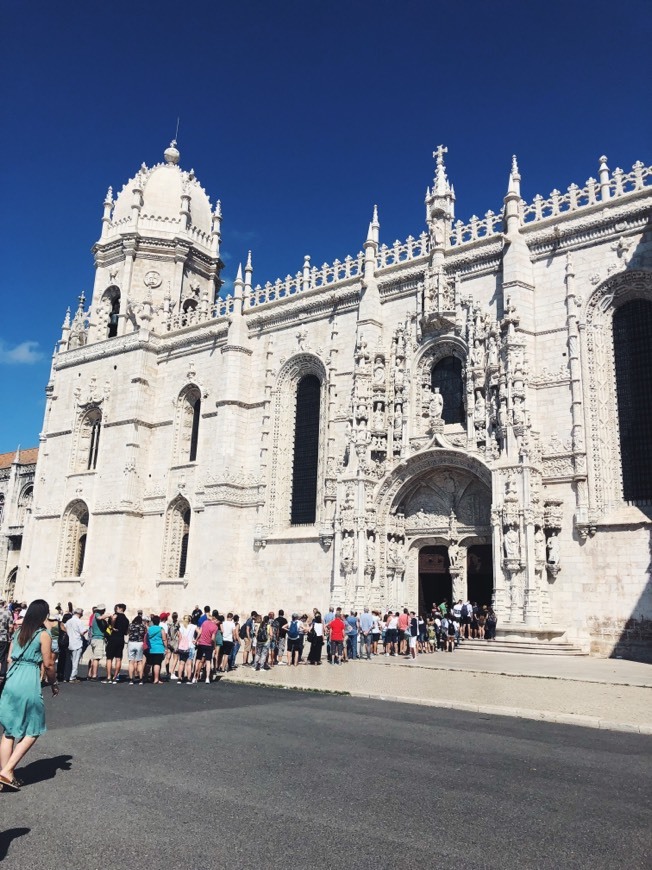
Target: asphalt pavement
[(233, 776)]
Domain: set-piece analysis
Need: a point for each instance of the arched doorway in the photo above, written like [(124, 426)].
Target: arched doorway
[(435, 584), (479, 574)]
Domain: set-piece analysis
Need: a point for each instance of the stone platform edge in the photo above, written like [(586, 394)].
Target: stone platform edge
[(487, 710)]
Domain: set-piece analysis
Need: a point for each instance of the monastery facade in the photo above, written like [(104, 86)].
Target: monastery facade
[(463, 413)]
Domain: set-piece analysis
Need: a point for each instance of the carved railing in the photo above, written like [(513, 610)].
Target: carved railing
[(477, 228), (593, 192), (608, 187)]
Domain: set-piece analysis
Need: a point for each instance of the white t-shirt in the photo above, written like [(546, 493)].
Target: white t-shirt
[(392, 623), (318, 628), (76, 630), (186, 637), (228, 627)]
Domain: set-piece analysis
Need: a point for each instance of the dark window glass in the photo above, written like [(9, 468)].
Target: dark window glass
[(183, 561), (194, 437), (81, 553), (114, 317), (632, 329), (447, 376), (95, 444), (306, 451)]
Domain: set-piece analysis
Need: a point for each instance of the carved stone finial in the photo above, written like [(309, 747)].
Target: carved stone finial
[(171, 154)]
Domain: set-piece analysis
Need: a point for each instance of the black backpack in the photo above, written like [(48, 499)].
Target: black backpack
[(262, 635)]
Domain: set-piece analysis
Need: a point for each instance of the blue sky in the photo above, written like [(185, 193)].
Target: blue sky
[(299, 115)]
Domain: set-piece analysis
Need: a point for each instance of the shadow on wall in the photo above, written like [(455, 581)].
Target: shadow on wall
[(635, 641)]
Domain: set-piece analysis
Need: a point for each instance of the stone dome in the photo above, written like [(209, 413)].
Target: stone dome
[(162, 187)]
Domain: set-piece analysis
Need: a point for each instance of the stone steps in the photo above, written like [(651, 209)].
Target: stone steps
[(526, 647)]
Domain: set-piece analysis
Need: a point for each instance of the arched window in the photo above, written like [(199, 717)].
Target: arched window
[(73, 540), (189, 415), (177, 537), (306, 451), (632, 331), (447, 377), (9, 592), (88, 440), (111, 305), (25, 500)]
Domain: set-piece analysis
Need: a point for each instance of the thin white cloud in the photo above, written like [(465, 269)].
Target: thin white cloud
[(25, 353)]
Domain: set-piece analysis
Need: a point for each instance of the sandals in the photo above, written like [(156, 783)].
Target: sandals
[(12, 783)]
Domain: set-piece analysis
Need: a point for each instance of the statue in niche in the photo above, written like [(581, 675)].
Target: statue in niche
[(493, 351), (518, 412), (510, 488), (392, 550), (436, 406), (371, 550), (379, 418), (379, 371), (553, 549), (540, 545), (399, 377), (511, 543), (455, 555), (477, 354), (347, 550), (361, 354), (480, 408), (398, 422)]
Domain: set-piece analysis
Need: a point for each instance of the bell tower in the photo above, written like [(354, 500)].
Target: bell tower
[(159, 251)]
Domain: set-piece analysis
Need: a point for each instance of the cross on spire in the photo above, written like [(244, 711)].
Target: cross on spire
[(438, 153)]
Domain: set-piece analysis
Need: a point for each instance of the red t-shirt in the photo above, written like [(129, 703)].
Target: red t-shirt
[(337, 629), (207, 633), (403, 621)]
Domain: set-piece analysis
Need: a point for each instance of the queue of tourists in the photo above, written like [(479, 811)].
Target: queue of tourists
[(202, 645)]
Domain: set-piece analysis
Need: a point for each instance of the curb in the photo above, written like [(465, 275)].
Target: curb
[(513, 712)]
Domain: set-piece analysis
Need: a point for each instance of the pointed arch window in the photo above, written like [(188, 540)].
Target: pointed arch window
[(306, 451), (177, 539), (25, 503), (10, 585), (632, 328), (189, 416), (88, 440), (74, 538), (447, 378)]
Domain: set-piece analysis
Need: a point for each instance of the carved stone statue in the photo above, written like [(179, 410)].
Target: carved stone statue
[(371, 550), (347, 551), (553, 549), (436, 406), (492, 351), (477, 354), (455, 555), (379, 419), (540, 545), (379, 371), (511, 543), (480, 408)]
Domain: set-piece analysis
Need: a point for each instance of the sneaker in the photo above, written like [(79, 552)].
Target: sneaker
[(257, 667), (131, 682), (194, 679), (173, 677), (208, 680), (266, 668)]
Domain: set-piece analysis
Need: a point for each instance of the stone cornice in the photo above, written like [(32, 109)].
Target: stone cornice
[(140, 340)]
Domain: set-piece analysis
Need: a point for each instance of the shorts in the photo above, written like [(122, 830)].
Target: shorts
[(97, 647), (375, 636), (295, 645), (115, 649), (135, 651), (184, 655), (337, 647), (391, 635), (173, 646), (227, 647), (247, 644), (282, 645), (204, 652), (155, 658), (413, 642)]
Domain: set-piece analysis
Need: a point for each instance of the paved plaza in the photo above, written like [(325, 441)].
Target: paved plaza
[(602, 693), (248, 777)]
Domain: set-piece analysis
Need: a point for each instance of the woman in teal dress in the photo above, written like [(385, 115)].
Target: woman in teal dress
[(22, 712)]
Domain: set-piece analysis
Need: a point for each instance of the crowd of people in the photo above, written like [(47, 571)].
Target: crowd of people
[(202, 645)]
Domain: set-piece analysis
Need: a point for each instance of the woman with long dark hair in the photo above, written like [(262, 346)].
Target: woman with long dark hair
[(316, 638), (22, 712)]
